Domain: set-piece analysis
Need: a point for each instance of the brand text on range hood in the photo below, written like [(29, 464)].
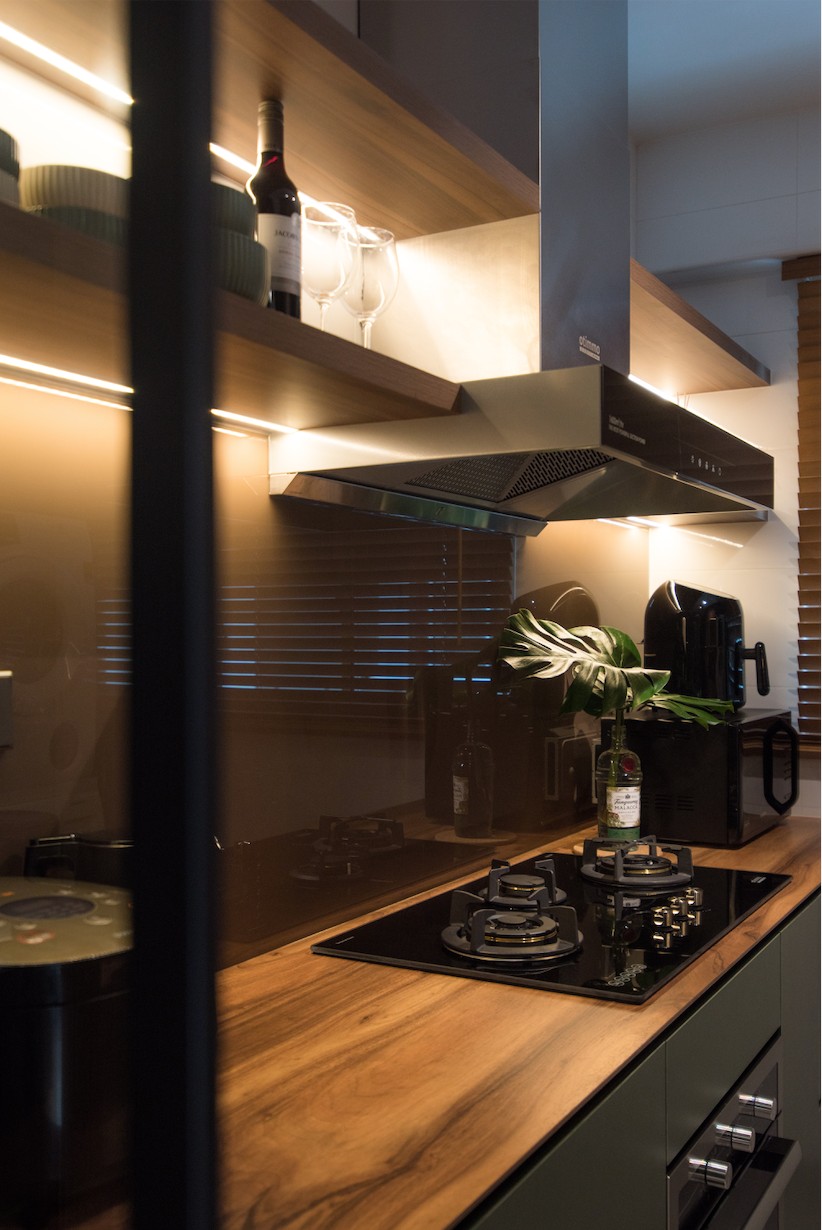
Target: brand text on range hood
[(572, 444)]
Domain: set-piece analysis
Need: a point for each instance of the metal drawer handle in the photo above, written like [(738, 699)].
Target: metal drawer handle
[(733, 1136), (760, 1108), (710, 1173)]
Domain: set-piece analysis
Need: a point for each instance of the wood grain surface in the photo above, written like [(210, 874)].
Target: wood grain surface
[(365, 1096), (678, 350)]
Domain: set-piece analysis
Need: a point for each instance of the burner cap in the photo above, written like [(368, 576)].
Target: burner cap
[(638, 865), (513, 929), (520, 886)]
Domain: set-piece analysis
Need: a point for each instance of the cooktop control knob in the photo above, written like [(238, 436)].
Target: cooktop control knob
[(760, 1108), (710, 1173), (734, 1136)]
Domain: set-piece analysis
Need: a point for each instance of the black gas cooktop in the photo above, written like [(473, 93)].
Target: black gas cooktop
[(610, 923)]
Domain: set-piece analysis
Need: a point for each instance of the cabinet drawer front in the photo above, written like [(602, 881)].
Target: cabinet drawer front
[(711, 1050)]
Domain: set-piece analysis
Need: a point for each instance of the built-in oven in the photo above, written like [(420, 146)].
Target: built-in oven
[(732, 1174)]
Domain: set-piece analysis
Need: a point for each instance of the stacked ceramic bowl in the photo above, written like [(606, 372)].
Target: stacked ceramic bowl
[(94, 202), (241, 262), (9, 169)]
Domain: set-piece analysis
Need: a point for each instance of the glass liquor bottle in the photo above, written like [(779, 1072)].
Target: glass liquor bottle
[(473, 783), (618, 781), (278, 210)]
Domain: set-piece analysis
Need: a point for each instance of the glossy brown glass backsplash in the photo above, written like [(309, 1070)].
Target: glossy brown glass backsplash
[(350, 656)]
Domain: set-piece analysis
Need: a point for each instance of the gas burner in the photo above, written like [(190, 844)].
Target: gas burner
[(513, 936), (643, 866), (345, 844), (515, 918), (508, 888)]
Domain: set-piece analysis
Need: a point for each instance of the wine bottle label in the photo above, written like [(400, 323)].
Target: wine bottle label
[(460, 796), (622, 803), (281, 237)]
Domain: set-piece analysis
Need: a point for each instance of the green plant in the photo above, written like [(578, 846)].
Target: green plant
[(607, 675)]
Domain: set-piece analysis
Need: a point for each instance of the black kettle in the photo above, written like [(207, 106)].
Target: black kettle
[(97, 857)]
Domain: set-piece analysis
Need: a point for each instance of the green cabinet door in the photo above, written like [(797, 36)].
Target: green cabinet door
[(608, 1169)]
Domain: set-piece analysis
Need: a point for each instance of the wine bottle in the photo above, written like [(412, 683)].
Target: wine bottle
[(278, 210), (473, 784), (618, 781)]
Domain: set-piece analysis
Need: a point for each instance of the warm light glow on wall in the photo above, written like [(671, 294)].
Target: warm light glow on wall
[(660, 527)]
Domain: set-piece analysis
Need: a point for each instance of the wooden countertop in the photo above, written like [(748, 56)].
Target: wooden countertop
[(363, 1096)]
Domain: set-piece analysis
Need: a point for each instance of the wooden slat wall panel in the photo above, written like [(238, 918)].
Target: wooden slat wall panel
[(807, 271)]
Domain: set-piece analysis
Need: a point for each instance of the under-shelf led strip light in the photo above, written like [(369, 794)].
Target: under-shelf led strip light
[(41, 52), (24, 374)]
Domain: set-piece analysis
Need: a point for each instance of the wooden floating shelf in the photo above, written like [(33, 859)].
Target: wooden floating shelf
[(63, 304), (355, 131), (273, 367), (676, 349)]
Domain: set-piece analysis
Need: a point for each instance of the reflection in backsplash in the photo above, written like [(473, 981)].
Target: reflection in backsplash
[(351, 656)]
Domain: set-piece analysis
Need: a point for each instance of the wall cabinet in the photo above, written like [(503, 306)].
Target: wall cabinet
[(609, 1166)]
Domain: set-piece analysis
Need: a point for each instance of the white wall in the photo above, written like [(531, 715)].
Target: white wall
[(716, 211), (730, 193)]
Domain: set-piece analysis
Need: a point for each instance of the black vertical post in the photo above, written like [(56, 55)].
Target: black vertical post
[(173, 1041)]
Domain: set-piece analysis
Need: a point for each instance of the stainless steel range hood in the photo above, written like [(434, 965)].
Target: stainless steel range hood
[(570, 444)]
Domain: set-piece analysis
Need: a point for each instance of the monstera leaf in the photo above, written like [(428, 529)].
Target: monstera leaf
[(606, 672)]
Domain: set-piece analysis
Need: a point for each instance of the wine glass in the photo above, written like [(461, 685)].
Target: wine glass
[(330, 251), (374, 282)]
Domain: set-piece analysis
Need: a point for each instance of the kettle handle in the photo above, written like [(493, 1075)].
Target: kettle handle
[(780, 726), (758, 655)]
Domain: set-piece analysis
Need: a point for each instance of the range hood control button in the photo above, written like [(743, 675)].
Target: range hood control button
[(710, 1173)]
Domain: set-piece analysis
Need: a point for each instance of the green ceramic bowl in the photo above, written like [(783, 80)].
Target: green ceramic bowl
[(233, 210), (80, 187), (90, 221), (9, 154), (241, 265)]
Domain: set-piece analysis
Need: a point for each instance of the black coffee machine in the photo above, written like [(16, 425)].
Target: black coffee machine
[(727, 784)]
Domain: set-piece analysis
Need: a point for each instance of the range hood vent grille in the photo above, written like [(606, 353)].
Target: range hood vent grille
[(478, 478), (556, 466), (503, 478)]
